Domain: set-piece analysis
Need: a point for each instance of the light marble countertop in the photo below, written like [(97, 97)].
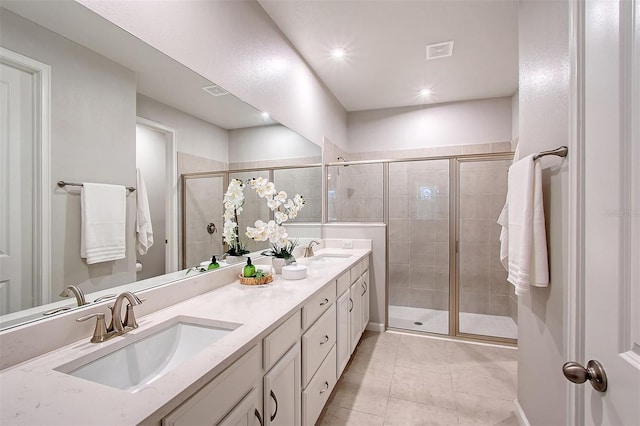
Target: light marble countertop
[(34, 393)]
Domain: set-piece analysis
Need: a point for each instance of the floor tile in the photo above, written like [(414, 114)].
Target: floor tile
[(405, 413), (423, 386), (476, 410), (363, 392), (337, 416), (484, 381), (424, 354)]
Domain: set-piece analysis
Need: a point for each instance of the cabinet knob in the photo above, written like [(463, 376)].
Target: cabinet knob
[(324, 302)]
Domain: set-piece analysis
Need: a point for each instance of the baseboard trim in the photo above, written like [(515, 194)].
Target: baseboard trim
[(375, 326), (520, 415)]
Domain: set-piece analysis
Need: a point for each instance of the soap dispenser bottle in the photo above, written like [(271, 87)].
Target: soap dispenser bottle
[(214, 264), (249, 270)]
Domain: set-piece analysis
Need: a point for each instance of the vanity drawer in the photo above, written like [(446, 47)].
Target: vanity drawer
[(220, 395), (280, 340), (356, 271), (344, 282), (315, 396), (318, 304), (317, 342)]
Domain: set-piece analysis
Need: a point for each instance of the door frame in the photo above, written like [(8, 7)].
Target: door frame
[(171, 205), (575, 292), (41, 168)]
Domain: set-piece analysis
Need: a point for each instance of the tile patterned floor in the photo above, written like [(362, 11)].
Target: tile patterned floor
[(400, 379)]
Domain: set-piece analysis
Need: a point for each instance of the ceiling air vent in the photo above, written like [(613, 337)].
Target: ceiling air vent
[(439, 50), (215, 90)]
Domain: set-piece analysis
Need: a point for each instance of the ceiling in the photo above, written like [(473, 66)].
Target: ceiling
[(386, 42), (176, 85)]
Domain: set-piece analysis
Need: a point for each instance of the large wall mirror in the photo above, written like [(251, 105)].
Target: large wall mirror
[(115, 105)]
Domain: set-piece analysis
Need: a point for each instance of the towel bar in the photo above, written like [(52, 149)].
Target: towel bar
[(62, 184), (560, 152)]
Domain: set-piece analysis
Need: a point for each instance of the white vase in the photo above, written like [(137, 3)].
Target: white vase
[(278, 263)]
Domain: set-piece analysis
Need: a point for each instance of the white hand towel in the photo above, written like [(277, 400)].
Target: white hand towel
[(103, 229), (528, 263), (144, 230), (503, 221)]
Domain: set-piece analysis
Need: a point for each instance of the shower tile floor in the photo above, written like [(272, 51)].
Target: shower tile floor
[(435, 321), (402, 379)]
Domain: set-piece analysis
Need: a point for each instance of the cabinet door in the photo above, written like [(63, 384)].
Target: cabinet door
[(246, 413), (355, 314), (282, 390), (365, 300), (343, 346)]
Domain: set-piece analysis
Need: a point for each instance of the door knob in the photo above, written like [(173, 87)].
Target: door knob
[(594, 372)]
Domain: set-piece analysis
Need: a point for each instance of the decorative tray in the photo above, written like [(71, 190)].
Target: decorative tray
[(265, 279)]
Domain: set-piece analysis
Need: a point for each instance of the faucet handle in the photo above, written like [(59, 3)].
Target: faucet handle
[(130, 317), (100, 333)]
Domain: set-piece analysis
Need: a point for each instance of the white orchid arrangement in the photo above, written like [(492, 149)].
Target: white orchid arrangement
[(233, 202), (284, 209)]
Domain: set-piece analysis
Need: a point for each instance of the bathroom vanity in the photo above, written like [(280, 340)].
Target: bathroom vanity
[(271, 355)]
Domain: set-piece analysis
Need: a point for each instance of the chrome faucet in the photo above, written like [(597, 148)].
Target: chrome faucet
[(77, 292), (308, 250), (129, 318)]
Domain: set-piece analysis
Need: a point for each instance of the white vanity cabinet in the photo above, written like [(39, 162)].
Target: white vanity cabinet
[(352, 311), (247, 413), (364, 282), (221, 397), (282, 390)]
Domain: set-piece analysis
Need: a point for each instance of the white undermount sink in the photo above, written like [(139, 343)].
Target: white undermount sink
[(152, 355), (330, 257)]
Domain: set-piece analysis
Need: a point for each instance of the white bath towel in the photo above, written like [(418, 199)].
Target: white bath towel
[(104, 215), (528, 263), (144, 230)]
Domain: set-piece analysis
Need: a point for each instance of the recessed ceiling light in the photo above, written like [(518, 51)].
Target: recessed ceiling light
[(338, 52), (265, 115), (424, 92)]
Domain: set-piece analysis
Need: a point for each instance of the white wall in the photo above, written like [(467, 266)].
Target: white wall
[(515, 118), (456, 123), (544, 124), (236, 45), (269, 143), (378, 264), (93, 124), (193, 136)]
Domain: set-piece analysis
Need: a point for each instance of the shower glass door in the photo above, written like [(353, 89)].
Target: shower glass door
[(419, 269), (486, 301)]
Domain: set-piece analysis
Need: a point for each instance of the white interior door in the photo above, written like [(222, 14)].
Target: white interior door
[(612, 210), (16, 189)]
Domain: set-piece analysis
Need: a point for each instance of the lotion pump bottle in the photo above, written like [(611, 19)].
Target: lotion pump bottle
[(214, 264), (249, 270)]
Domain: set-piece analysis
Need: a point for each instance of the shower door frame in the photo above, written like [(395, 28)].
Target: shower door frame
[(454, 235), (454, 217)]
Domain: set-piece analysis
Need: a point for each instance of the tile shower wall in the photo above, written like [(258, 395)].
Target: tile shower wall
[(203, 199), (419, 234), (306, 182), (482, 279), (355, 193)]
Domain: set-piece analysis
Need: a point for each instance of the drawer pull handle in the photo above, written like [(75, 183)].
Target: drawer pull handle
[(275, 413), (257, 414), (351, 308), (326, 388), (364, 290), (324, 302), (325, 339)]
